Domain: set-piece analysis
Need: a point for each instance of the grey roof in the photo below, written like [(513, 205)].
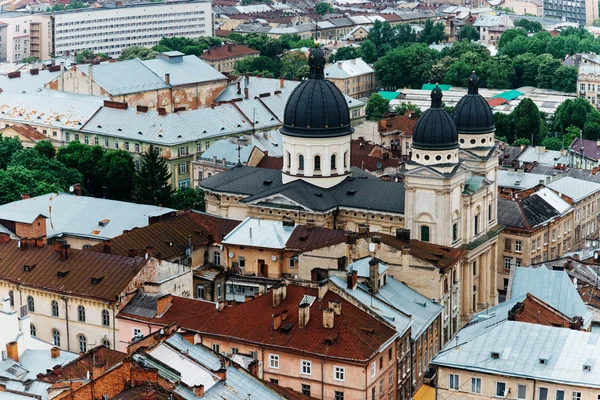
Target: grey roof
[(352, 192), (537, 209), (341, 22), (255, 232), (523, 181), (27, 83), (521, 345), (362, 267), (192, 373), (347, 69), (31, 363), (125, 77), (509, 214), (583, 174), (227, 149), (199, 353), (576, 189), (190, 70), (80, 215), (547, 157), (143, 304), (552, 287)]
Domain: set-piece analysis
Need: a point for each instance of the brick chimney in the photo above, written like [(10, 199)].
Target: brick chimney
[(281, 83), (199, 391), (284, 315), (303, 314), (25, 196), (167, 79), (12, 350), (279, 293), (336, 306), (163, 303), (76, 189), (352, 279), (322, 290), (246, 92), (239, 87), (374, 275), (328, 318), (230, 47), (222, 373), (276, 321), (107, 247), (64, 250), (55, 352)]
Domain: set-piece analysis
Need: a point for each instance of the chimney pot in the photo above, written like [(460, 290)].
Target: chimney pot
[(303, 314), (374, 275), (276, 321), (336, 306), (281, 83), (12, 350), (25, 196), (199, 391), (167, 79), (107, 246), (322, 290), (246, 92), (352, 279), (230, 47), (328, 318)]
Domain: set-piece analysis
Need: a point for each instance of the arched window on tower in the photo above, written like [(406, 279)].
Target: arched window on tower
[(474, 297), (346, 159), (301, 162), (317, 163), (424, 233), (289, 160), (333, 162), (476, 221)]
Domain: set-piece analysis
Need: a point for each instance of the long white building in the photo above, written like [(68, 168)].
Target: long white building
[(108, 29)]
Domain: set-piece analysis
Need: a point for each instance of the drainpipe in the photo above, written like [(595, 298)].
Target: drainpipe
[(66, 300)]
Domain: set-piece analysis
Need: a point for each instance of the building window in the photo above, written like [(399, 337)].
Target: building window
[(219, 291), (136, 147), (424, 233), (339, 395), (30, 304), (490, 215), (576, 396), (305, 367), (54, 308), (518, 244), (381, 387), (500, 389), (82, 343), (476, 224), (11, 295), (345, 159), (32, 330), (105, 318), (217, 257), (289, 159), (373, 394), (55, 338), (81, 313), (474, 268), (507, 244), (86, 139), (274, 381), (127, 146), (455, 232), (96, 141), (137, 332), (216, 348), (105, 142), (300, 162), (476, 385), (453, 381), (116, 144), (339, 374), (507, 263), (521, 392), (182, 151), (273, 361), (106, 343), (182, 168), (333, 161), (235, 350), (306, 389), (560, 394), (517, 262)]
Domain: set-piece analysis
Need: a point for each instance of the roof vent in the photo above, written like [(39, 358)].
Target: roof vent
[(28, 268), (318, 194), (495, 354), (62, 274), (99, 126), (268, 181), (351, 192), (140, 133), (96, 279), (104, 222), (120, 130), (589, 363), (286, 328)]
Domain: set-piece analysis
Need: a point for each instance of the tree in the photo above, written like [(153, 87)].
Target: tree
[(194, 50), (432, 33), (344, 53), (458, 74), (368, 51), (527, 121), (408, 107), (132, 52), (499, 73), (552, 143), (116, 166), (188, 198), (521, 142), (504, 127), (565, 79), (377, 106), (254, 65), (572, 113), (529, 26), (403, 67), (591, 127), (84, 159), (516, 46), (153, 185), (404, 33), (29, 60), (8, 146), (470, 33), (294, 65), (323, 8), (546, 70), (509, 35), (238, 37), (45, 149), (439, 69)]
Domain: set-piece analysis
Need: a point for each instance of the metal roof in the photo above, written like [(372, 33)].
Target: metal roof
[(348, 69), (516, 180), (260, 233), (81, 215), (227, 149), (33, 362), (192, 373), (190, 69), (552, 287), (27, 83), (576, 189), (198, 352), (363, 268), (553, 199), (545, 157), (124, 77)]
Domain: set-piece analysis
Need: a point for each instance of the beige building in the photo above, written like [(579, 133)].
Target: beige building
[(588, 81), (354, 78), (223, 58), (525, 7)]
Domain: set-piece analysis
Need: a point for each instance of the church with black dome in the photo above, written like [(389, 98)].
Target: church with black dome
[(448, 196)]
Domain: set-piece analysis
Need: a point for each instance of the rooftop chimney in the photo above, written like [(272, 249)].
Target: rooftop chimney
[(281, 83), (132, 253), (303, 314), (352, 279), (246, 92), (276, 321), (328, 318), (336, 306), (163, 303), (167, 79), (323, 288), (64, 250), (374, 275), (284, 315), (199, 391), (25, 196), (77, 189), (55, 352), (279, 293), (107, 247), (403, 234), (239, 87), (12, 350), (230, 47)]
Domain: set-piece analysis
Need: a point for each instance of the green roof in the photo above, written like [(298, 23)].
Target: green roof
[(388, 95), (508, 95), (431, 86)]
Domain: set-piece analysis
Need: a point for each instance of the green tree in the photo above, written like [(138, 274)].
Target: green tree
[(254, 65), (377, 106), (294, 65), (323, 8), (526, 69), (404, 33), (140, 52), (458, 74), (504, 127), (117, 168), (404, 67), (565, 79), (516, 46), (572, 113), (468, 32), (194, 50), (29, 60), (408, 107), (521, 142), (440, 68), (499, 73), (432, 33), (552, 143), (153, 185), (84, 159), (527, 121), (188, 198), (529, 26), (45, 149), (509, 35), (8, 146), (368, 51), (546, 70), (571, 133), (239, 38), (591, 126), (344, 53)]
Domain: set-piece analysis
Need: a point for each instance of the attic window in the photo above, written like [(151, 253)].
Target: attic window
[(104, 222), (140, 133), (203, 131), (351, 192), (160, 136), (268, 182), (28, 268), (544, 361), (20, 114), (99, 126), (62, 274), (96, 279), (318, 194), (38, 117), (223, 128), (57, 119), (587, 368), (178, 136), (239, 125), (495, 355), (120, 130)]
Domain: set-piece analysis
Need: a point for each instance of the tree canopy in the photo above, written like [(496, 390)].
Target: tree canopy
[(377, 106)]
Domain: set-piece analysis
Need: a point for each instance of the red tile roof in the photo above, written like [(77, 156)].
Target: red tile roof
[(390, 17), (44, 264), (181, 308), (369, 157), (227, 51), (78, 368), (496, 101), (399, 124), (355, 336), (441, 256), (305, 239), (168, 235), (271, 162), (29, 132)]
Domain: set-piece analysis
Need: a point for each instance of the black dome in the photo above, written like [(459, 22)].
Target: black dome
[(435, 130), (472, 113), (316, 108)]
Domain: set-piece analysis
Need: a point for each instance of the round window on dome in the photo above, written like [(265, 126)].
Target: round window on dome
[(418, 156), (473, 141), (483, 140), (462, 140), (427, 157), (449, 156), (438, 158)]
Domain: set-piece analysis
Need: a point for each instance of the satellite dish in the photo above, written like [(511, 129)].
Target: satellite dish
[(371, 246), (273, 258), (230, 254), (71, 189)]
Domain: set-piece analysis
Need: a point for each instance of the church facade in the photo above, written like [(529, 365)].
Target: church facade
[(448, 196)]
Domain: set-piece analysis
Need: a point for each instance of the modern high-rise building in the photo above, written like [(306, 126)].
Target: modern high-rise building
[(583, 12)]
